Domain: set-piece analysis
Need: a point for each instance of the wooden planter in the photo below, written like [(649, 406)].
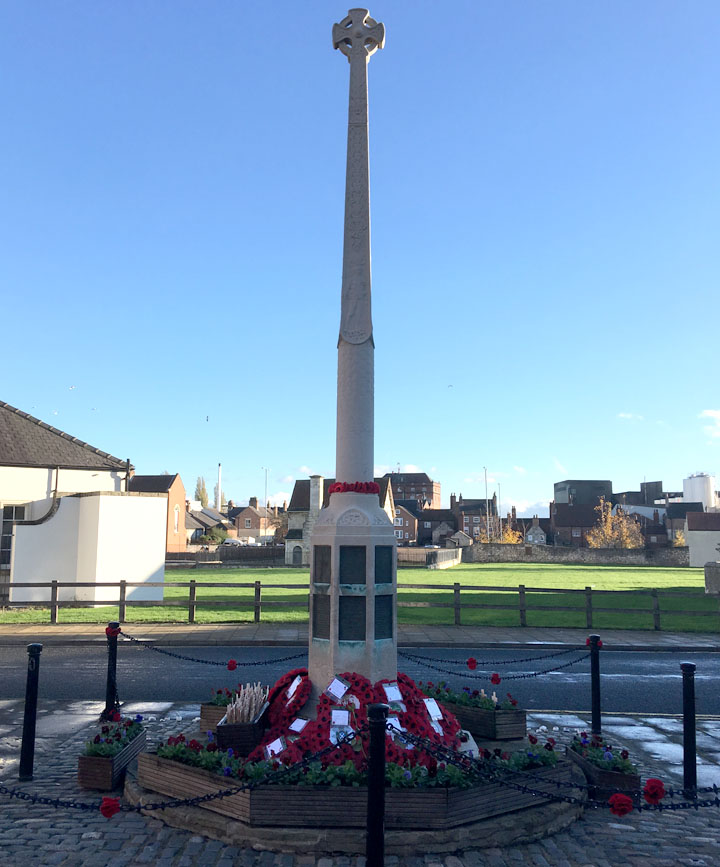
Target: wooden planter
[(341, 806), (241, 737), (210, 716), (604, 783), (494, 725), (106, 772)]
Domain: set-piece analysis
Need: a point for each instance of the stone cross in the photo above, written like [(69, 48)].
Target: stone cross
[(353, 558)]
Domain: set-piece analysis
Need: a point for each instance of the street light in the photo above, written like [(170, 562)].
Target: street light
[(487, 510), (265, 502)]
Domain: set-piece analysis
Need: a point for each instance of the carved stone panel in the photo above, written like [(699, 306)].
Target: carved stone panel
[(383, 564), (321, 564), (352, 564), (321, 616), (353, 518), (383, 616), (351, 626)]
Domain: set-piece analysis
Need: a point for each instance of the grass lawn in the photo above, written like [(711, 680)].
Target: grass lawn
[(633, 580)]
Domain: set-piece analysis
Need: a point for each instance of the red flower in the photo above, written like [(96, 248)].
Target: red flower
[(116, 716), (495, 679), (654, 790), (472, 663), (587, 642), (620, 805), (232, 665), (624, 754), (532, 739), (109, 807)]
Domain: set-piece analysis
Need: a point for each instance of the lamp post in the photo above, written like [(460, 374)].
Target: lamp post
[(265, 501), (499, 509), (487, 510)]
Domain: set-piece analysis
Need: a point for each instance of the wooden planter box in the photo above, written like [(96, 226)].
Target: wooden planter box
[(210, 716), (495, 725), (242, 737), (106, 772), (604, 783), (341, 806)]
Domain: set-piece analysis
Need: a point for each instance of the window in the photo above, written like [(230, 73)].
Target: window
[(576, 532), (398, 534), (248, 523), (398, 522), (176, 519), (653, 538), (397, 512), (466, 520), (476, 519), (9, 514), (427, 525), (407, 536)]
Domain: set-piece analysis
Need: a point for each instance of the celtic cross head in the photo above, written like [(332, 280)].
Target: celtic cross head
[(358, 33)]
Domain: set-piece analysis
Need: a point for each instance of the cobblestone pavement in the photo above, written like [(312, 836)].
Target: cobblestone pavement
[(37, 836)]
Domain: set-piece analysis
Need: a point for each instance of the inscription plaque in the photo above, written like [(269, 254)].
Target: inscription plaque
[(352, 618), (321, 564), (352, 564), (384, 616), (383, 564), (321, 616)]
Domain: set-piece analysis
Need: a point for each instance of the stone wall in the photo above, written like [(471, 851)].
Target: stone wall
[(497, 553)]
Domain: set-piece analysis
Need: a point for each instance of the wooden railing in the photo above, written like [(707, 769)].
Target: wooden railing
[(257, 601)]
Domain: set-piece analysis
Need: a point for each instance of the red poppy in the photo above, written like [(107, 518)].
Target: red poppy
[(532, 739), (620, 805), (472, 663), (110, 806), (654, 790), (116, 716), (232, 665), (587, 642), (495, 679)]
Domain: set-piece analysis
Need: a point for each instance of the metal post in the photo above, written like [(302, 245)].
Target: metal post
[(689, 745), (595, 683), (375, 836), (27, 750), (112, 701)]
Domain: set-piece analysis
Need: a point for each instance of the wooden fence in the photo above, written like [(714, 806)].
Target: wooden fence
[(256, 600)]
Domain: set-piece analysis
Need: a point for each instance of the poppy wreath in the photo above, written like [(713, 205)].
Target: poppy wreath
[(620, 805), (354, 488)]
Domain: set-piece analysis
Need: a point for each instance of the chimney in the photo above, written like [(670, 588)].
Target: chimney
[(536, 521), (275, 511), (316, 494), (453, 502), (253, 503), (284, 505)]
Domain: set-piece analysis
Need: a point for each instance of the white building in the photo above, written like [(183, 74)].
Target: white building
[(67, 516)]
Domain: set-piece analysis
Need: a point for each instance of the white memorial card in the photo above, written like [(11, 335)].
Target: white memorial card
[(340, 717), (298, 724), (337, 688), (433, 708), (392, 692), (339, 733), (292, 689), (395, 723), (275, 747), (437, 727)]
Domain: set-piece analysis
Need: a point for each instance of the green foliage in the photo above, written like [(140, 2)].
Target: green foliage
[(201, 492), (467, 697), (112, 738), (601, 754)]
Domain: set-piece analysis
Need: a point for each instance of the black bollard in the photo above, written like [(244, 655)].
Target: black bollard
[(375, 837), (595, 645), (112, 701), (27, 750), (689, 744)]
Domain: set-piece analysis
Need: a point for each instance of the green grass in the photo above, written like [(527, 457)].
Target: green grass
[(668, 581)]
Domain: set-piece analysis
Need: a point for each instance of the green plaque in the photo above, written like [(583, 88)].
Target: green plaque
[(352, 564), (352, 618), (321, 564), (384, 616), (383, 564)]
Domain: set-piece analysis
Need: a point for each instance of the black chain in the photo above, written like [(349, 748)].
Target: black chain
[(487, 661), (484, 676), (268, 779), (207, 661)]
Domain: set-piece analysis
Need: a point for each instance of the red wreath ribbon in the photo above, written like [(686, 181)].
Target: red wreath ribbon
[(112, 631), (354, 488)]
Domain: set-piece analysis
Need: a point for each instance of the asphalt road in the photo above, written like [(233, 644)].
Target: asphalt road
[(631, 681)]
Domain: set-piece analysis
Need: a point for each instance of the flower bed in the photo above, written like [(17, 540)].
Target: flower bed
[(605, 769), (109, 753), (334, 806), (482, 715)]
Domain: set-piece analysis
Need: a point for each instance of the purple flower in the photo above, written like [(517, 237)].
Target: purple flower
[(607, 755), (230, 752), (138, 717), (407, 775), (210, 736), (227, 771)]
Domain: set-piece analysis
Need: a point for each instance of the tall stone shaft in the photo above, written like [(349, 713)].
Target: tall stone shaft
[(358, 36), (353, 557)]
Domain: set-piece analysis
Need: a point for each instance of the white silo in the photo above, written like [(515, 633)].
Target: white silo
[(700, 488)]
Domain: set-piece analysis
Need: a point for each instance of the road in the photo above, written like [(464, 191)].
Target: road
[(640, 682)]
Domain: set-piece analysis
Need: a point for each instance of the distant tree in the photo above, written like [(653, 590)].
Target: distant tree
[(201, 492), (614, 530), (510, 536), (679, 540)]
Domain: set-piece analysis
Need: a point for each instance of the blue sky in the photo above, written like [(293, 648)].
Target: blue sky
[(545, 219)]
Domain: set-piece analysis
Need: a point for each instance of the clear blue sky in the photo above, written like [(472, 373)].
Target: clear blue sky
[(546, 224)]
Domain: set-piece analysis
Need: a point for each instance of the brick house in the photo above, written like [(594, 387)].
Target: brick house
[(571, 523), (405, 522), (470, 515), (436, 525), (415, 486), (308, 496), (173, 488), (257, 522)]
